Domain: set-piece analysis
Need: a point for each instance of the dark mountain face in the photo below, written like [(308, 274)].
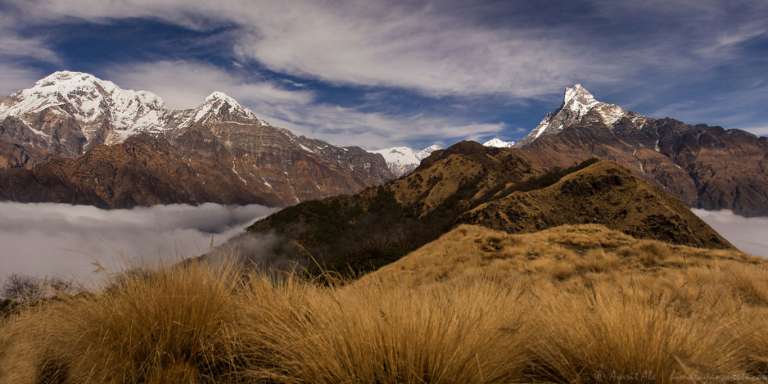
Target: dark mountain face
[(504, 189), (142, 171), (706, 167), (129, 150)]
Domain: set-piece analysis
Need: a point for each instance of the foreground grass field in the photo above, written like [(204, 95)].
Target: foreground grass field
[(585, 305)]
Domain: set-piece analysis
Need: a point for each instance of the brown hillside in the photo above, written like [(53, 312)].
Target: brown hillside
[(602, 193), (569, 254)]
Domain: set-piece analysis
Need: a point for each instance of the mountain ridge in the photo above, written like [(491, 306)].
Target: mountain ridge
[(48, 131), (471, 184)]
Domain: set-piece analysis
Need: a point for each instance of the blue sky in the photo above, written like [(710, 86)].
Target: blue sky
[(382, 73)]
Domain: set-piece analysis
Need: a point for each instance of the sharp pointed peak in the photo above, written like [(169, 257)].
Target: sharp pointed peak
[(578, 92), (217, 102)]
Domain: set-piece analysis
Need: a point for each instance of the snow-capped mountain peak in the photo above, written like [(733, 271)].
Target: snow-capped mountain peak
[(402, 160), (92, 102), (218, 96), (498, 143), (221, 107), (577, 104), (578, 100), (98, 111)]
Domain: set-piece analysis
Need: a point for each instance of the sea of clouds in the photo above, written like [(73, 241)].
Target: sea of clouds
[(86, 244), (749, 234)]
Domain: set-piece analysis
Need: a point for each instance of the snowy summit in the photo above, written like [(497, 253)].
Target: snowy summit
[(108, 114), (402, 160), (498, 143), (578, 104), (91, 101)]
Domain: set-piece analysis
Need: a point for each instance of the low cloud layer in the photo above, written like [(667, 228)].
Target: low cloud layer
[(746, 233), (72, 242)]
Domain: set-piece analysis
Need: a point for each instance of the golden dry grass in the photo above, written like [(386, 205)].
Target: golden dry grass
[(385, 336), (638, 336), (584, 305), (178, 322)]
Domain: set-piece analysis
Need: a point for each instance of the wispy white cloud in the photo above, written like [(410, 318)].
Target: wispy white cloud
[(346, 126), (14, 77), (15, 48), (184, 84), (439, 47), (742, 108), (415, 46), (13, 45)]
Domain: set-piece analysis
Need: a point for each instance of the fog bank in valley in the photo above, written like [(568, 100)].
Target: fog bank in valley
[(72, 242), (749, 234)]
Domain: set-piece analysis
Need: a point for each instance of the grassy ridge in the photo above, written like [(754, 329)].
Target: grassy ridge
[(470, 185)]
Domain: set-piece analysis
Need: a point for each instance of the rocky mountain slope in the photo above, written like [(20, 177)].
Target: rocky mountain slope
[(706, 167), (467, 183), (47, 134)]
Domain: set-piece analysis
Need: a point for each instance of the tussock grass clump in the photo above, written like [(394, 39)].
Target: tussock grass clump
[(177, 325), (379, 335), (612, 336)]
